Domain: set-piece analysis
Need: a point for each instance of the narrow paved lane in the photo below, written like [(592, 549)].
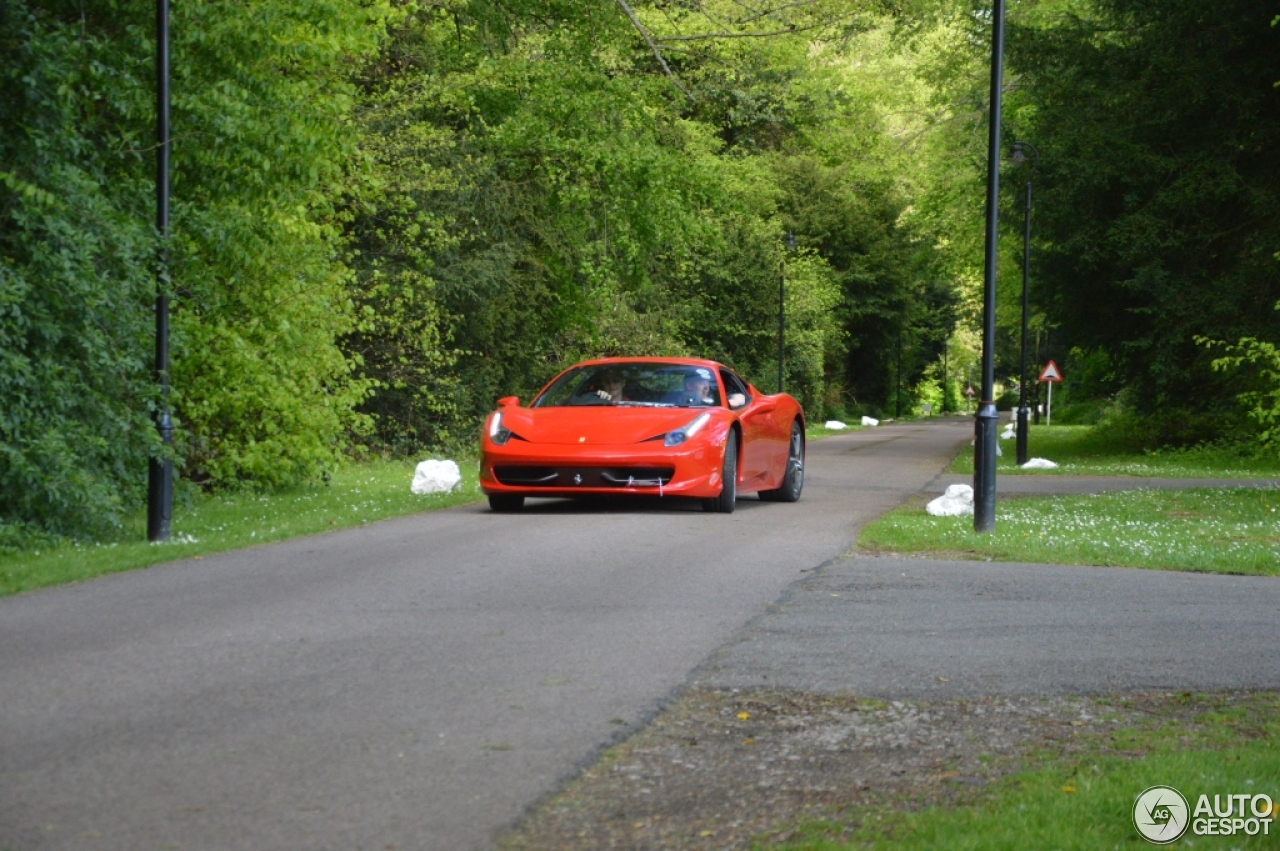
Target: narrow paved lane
[(415, 684), (904, 628)]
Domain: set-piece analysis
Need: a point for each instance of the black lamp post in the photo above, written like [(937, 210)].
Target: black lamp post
[(945, 346), (986, 420), (897, 393), (160, 474), (1019, 156), (782, 302)]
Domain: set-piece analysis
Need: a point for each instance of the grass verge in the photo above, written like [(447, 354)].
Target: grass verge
[(206, 524), (1211, 530), (1094, 451), (1082, 796), (817, 431)]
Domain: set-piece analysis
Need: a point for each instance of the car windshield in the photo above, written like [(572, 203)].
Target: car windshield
[(647, 385)]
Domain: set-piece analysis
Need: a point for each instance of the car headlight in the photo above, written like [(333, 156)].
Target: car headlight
[(686, 431), (497, 433)]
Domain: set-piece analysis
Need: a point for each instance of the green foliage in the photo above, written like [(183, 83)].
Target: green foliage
[(261, 145), (551, 201), (1262, 359), (76, 286), (1158, 187)]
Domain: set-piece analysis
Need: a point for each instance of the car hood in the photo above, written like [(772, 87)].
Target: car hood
[(595, 426)]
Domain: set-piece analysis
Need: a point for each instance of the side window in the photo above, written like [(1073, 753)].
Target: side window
[(734, 387)]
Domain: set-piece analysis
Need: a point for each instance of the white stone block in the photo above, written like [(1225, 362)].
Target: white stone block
[(834, 425), (870, 421)]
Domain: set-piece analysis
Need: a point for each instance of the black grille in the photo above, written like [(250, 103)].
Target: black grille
[(584, 477)]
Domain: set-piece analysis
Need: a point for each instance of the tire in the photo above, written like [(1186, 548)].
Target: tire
[(728, 498), (505, 502), (793, 478)]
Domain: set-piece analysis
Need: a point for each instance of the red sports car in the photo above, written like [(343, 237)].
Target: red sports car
[(658, 426)]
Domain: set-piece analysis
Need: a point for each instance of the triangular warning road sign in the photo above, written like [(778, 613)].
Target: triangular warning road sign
[(1051, 372)]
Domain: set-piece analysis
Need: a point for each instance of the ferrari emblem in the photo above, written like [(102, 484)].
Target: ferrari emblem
[(582, 440), (577, 478)]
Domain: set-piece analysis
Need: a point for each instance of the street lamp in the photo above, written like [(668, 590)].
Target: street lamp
[(1018, 155), (984, 444), (782, 302)]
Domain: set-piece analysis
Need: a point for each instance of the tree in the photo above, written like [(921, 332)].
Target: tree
[(1160, 133)]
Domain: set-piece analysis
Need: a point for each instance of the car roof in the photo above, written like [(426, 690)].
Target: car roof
[(672, 361)]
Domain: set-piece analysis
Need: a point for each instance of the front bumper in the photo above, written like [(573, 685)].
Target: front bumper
[(519, 467)]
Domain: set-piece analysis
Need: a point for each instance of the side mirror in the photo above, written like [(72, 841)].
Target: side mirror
[(509, 401)]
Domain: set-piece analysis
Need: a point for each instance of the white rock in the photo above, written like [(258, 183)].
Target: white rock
[(870, 421), (834, 425), (1008, 433), (957, 500), (436, 477), (1039, 464)]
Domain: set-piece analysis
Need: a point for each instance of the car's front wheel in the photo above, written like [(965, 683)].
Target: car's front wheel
[(793, 476), (728, 498), (506, 502)]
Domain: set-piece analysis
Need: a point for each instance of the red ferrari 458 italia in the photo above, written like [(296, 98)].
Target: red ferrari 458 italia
[(658, 426)]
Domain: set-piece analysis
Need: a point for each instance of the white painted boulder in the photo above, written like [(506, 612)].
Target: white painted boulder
[(1039, 464), (870, 421), (834, 425), (436, 477), (957, 500)]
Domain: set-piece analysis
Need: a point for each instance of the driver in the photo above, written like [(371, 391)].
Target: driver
[(611, 384), (698, 386)]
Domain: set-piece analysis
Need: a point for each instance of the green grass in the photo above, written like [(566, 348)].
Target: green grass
[(817, 431), (359, 494), (1213, 530), (1094, 451), (1082, 797)]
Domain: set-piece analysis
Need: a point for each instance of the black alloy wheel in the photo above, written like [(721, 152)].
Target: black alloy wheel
[(728, 498)]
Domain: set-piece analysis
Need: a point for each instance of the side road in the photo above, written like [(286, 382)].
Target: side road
[(899, 627), (1026, 485)]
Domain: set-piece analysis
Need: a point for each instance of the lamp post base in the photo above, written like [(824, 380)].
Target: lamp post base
[(984, 467), (1024, 414), (160, 486)]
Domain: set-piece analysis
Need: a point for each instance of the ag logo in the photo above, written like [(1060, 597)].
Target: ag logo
[(1160, 814)]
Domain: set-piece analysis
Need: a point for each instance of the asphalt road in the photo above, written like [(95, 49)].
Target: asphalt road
[(415, 684), (904, 628), (418, 683)]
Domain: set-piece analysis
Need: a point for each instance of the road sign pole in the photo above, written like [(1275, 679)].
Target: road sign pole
[(1048, 408)]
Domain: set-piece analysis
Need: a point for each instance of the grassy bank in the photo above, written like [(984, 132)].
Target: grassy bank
[(1091, 451), (1081, 795), (1218, 530), (206, 524), (1214, 530)]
